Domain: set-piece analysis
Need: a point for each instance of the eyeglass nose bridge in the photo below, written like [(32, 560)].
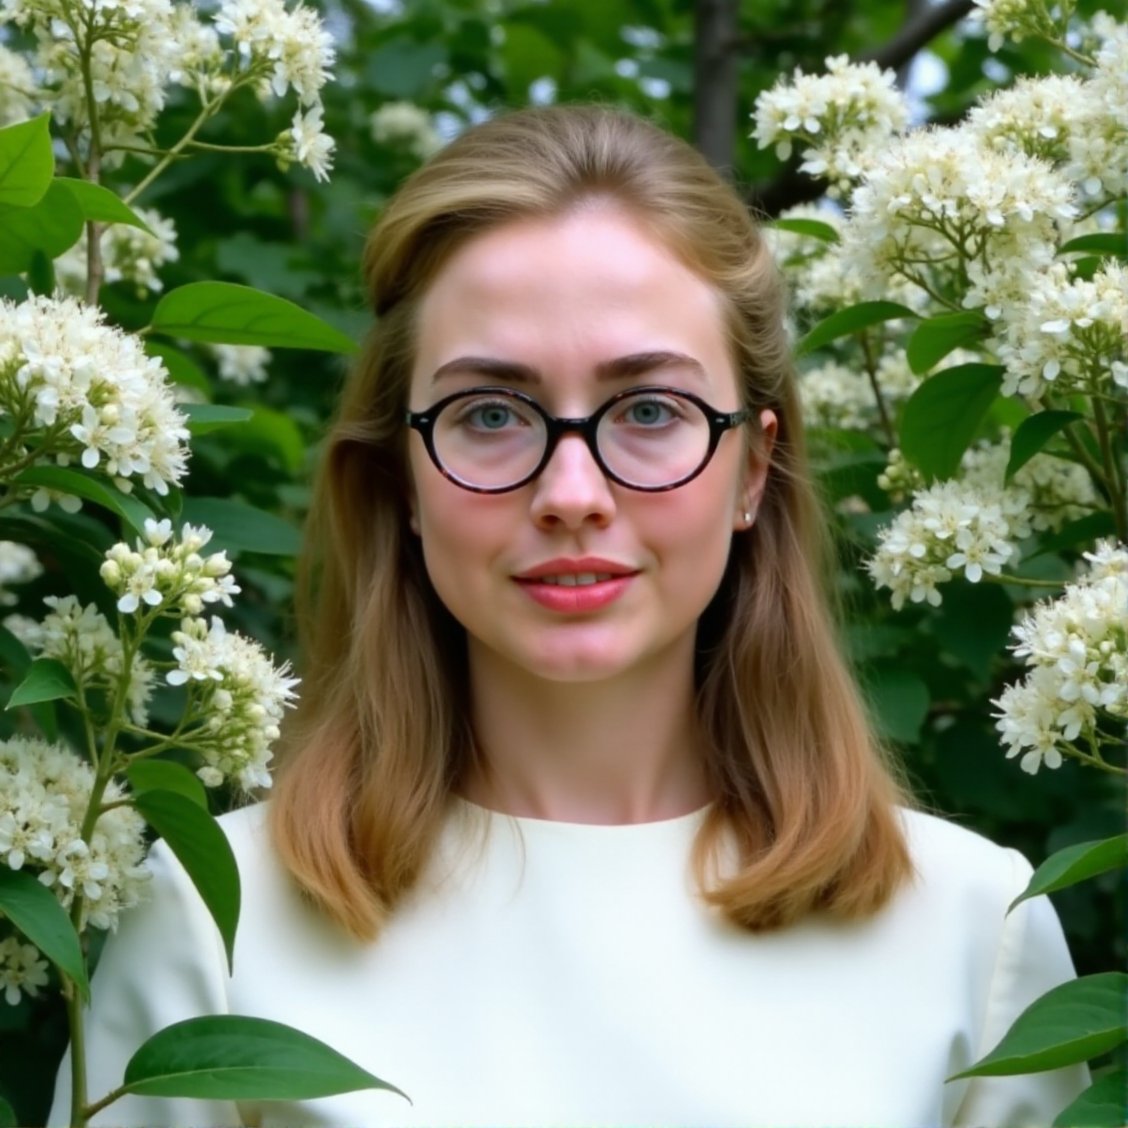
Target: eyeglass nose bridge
[(586, 427)]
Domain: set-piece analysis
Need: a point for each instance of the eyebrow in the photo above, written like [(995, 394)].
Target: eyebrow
[(622, 367)]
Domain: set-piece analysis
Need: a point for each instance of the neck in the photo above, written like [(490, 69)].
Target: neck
[(625, 750)]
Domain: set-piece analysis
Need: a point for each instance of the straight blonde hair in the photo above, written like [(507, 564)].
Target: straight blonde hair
[(383, 734)]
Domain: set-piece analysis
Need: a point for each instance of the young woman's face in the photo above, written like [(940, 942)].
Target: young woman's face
[(545, 307)]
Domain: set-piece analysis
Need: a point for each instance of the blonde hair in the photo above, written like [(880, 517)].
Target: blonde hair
[(383, 732)]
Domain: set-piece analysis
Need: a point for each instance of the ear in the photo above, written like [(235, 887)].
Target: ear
[(759, 458)]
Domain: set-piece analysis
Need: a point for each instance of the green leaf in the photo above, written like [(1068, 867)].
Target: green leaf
[(100, 205), (66, 480), (239, 527), (51, 226), (166, 775), (942, 416), (271, 434), (205, 417), (41, 274), (224, 313), (194, 836), (182, 369), (1072, 1023), (853, 319), (26, 162), (7, 1115), (1032, 435), (402, 68), (33, 909), (1083, 531), (899, 700), (232, 1057), (528, 54), (13, 653), (973, 624), (1101, 243), (814, 228), (1076, 863), (934, 338), (1101, 1105), (47, 679)]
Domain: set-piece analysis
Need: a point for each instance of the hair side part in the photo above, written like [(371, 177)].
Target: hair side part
[(382, 734)]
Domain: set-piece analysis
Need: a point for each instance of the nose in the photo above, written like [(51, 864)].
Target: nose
[(572, 490)]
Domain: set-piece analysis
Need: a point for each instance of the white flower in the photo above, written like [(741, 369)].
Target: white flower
[(18, 565), (44, 793), (839, 116), (84, 390), (168, 573), (1067, 334), (21, 970), (1014, 19), (242, 364), (405, 124), (840, 395), (290, 48), (1076, 651), (17, 88), (82, 639), (308, 144), (241, 695), (933, 196)]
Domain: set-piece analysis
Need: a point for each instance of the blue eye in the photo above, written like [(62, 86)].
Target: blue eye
[(649, 412), (490, 416)]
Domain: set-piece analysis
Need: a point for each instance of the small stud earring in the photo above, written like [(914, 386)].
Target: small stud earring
[(747, 517)]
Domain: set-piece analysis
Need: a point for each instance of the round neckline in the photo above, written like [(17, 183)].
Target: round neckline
[(533, 822)]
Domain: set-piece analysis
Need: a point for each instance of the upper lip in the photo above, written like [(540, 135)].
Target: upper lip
[(573, 566)]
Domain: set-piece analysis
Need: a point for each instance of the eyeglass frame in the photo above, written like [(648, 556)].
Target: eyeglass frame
[(556, 427)]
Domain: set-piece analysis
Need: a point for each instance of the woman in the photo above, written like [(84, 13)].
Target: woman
[(582, 820)]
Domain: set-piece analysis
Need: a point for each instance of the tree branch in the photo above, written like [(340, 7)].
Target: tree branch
[(715, 81), (925, 24)]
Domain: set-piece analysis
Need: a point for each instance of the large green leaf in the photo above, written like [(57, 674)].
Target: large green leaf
[(100, 205), (813, 228), (1101, 1105), (232, 1057), (934, 338), (1072, 1023), (271, 434), (49, 227), (66, 480), (1032, 435), (47, 679), (166, 775), (1076, 863), (194, 836), (26, 162), (205, 417), (853, 319), (242, 528), (33, 909), (1100, 242), (943, 414), (224, 313)]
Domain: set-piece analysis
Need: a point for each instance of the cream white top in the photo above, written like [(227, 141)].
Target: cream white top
[(561, 974)]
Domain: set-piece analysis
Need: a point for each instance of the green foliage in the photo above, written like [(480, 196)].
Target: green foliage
[(33, 909)]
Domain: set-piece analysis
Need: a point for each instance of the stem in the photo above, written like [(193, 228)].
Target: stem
[(871, 372), (108, 1099), (78, 1112), (206, 147), (95, 268), (1113, 472), (1094, 761), (1022, 581), (1078, 447)]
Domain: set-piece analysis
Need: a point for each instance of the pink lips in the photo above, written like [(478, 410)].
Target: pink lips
[(578, 598)]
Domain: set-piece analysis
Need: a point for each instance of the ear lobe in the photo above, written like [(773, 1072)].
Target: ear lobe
[(759, 460)]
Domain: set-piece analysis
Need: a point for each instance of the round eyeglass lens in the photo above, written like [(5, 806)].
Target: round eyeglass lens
[(653, 438), (489, 440)]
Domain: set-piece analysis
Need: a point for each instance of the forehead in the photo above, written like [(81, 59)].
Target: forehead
[(568, 294)]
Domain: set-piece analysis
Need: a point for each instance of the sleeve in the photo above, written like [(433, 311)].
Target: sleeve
[(1032, 958), (164, 964)]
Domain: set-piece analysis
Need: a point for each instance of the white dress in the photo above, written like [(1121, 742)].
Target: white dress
[(561, 974)]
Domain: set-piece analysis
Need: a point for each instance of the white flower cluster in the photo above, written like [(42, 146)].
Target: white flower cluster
[(934, 197), (1067, 334), (839, 117), (1076, 649), (136, 48), (17, 90), (168, 573), (405, 124), (129, 254), (44, 793), (840, 395), (77, 388), (242, 364), (1013, 19), (18, 565), (242, 696), (83, 641), (21, 970)]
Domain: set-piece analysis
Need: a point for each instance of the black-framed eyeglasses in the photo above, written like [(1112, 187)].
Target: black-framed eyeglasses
[(493, 439)]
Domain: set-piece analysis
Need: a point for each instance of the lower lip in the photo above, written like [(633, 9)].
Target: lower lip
[(578, 599)]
